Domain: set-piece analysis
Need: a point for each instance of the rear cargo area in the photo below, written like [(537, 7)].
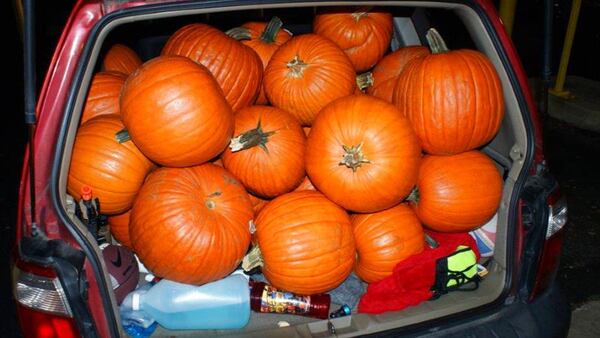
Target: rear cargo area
[(461, 27)]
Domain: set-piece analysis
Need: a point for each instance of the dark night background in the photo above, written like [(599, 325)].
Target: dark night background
[(572, 153)]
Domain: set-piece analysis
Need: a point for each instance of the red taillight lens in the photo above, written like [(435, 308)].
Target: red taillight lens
[(548, 264), (45, 325), (42, 305)]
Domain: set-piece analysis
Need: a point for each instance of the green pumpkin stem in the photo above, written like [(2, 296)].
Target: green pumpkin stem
[(270, 32), (239, 33), (364, 80), (253, 259), (123, 136), (251, 138), (431, 242), (413, 196), (436, 42), (353, 157), (361, 12)]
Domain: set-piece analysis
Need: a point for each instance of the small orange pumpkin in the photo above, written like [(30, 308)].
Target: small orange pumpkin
[(385, 74), (237, 68), (306, 243), (264, 38), (305, 74), (364, 34), (103, 95), (384, 239), (115, 171), (457, 193), (267, 153), (119, 228), (121, 58)]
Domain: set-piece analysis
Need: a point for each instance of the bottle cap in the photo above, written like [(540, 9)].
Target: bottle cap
[(135, 302), (86, 193), (344, 310)]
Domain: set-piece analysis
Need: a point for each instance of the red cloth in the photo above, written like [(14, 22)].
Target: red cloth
[(412, 278)]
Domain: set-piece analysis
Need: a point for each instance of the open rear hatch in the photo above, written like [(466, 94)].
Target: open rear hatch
[(146, 29)]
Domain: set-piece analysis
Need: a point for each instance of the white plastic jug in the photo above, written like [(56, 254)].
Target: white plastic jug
[(224, 304)]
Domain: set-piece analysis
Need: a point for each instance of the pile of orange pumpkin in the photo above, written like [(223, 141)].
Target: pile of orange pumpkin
[(256, 131)]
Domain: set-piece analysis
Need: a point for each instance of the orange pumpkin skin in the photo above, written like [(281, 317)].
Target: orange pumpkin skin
[(175, 112), (274, 164), (306, 130), (363, 35), (237, 68), (306, 243), (386, 154), (264, 48), (305, 185), (115, 171), (386, 72), (103, 96), (190, 225), (121, 58), (257, 203), (384, 239), (305, 74), (453, 100), (119, 228), (458, 193)]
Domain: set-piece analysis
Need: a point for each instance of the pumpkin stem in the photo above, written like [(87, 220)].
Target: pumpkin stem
[(251, 138), (364, 80), (123, 136), (361, 12), (436, 42), (431, 242), (270, 32), (239, 33), (353, 157), (253, 259), (296, 67), (413, 196)]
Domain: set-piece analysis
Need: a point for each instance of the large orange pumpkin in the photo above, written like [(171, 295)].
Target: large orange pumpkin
[(305, 74), (191, 225), (457, 193), (237, 68), (364, 34), (362, 154), (119, 228), (384, 239), (306, 243), (264, 38), (452, 98), (385, 74), (267, 152), (121, 58), (175, 112), (115, 171), (103, 95)]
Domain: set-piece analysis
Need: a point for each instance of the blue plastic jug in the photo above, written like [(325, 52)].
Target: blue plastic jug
[(224, 304)]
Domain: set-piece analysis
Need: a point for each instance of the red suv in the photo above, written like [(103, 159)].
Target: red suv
[(60, 280)]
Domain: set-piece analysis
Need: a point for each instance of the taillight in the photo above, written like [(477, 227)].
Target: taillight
[(550, 257), (42, 305)]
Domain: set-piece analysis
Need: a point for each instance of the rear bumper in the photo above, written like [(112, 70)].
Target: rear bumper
[(549, 315)]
